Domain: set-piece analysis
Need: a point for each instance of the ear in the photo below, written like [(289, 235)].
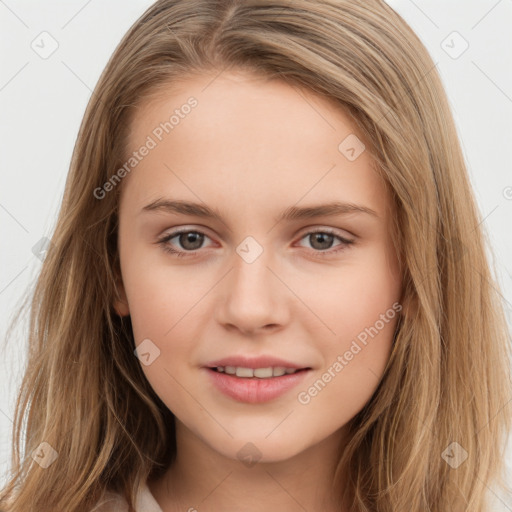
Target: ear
[(121, 302)]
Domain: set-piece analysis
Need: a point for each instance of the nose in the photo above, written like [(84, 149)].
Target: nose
[(254, 299)]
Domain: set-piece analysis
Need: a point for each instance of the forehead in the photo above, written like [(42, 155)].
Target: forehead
[(238, 98), (249, 134)]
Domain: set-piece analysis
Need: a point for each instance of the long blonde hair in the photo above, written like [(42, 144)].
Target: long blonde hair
[(447, 380)]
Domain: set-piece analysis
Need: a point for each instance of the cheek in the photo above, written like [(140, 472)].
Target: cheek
[(361, 308), (354, 366), (164, 308), (159, 295), (353, 297), (161, 317)]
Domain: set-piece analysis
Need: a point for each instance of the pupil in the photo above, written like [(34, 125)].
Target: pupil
[(192, 237), (322, 237)]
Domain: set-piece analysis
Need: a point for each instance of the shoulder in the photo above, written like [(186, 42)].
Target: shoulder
[(111, 502), (114, 502)]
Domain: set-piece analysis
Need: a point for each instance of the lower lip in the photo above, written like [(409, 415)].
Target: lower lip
[(255, 390)]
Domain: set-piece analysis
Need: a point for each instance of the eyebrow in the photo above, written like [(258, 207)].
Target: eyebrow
[(289, 214)]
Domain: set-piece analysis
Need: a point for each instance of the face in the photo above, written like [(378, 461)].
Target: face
[(259, 275)]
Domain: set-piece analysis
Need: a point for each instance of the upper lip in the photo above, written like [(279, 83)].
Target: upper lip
[(254, 362)]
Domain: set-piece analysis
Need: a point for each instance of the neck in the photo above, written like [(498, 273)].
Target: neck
[(201, 478)]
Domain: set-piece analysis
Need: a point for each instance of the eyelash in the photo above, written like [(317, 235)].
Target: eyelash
[(163, 242)]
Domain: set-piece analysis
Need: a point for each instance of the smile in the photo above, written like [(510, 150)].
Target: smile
[(256, 385), (260, 373)]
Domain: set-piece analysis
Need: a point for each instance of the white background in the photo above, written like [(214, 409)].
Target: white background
[(42, 102)]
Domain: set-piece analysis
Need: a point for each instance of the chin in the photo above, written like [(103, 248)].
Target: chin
[(251, 450)]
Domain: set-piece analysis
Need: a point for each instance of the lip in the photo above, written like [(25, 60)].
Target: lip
[(254, 390), (254, 362)]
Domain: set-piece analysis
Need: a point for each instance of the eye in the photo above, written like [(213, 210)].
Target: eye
[(322, 240), (190, 240)]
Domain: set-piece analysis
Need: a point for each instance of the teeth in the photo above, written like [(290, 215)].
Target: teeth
[(261, 373), (279, 370), (244, 372)]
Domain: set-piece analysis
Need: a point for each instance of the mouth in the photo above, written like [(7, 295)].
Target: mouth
[(255, 385), (257, 373)]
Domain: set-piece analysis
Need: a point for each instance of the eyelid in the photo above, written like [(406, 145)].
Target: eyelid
[(305, 231), (166, 237), (345, 242), (316, 228), (172, 232)]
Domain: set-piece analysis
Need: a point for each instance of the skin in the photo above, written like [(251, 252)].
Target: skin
[(250, 149)]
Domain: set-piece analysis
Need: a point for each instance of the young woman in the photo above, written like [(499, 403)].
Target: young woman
[(267, 287)]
